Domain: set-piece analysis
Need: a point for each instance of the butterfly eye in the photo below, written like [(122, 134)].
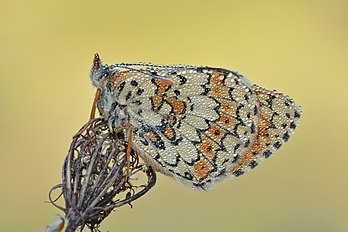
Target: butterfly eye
[(104, 72)]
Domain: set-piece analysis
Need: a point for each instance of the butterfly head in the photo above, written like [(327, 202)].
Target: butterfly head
[(99, 72)]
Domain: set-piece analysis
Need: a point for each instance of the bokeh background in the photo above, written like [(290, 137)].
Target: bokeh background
[(297, 47)]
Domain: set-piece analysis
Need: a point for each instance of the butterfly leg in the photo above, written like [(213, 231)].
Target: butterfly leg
[(129, 143), (92, 114)]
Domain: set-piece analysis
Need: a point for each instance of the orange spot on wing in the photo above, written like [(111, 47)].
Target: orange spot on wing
[(178, 106), (152, 136), (166, 81), (157, 102), (221, 91), (257, 147), (171, 119), (217, 79), (208, 148), (201, 169), (215, 132), (162, 85), (227, 122), (115, 80), (169, 132), (227, 106)]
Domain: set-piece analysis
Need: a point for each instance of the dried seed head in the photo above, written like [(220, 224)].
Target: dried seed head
[(94, 176)]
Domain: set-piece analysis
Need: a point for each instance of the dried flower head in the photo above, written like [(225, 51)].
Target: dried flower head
[(94, 180)]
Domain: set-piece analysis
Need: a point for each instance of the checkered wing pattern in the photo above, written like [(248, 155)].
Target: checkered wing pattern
[(199, 125)]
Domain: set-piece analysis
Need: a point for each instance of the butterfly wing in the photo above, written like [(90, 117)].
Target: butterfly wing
[(278, 118), (201, 125)]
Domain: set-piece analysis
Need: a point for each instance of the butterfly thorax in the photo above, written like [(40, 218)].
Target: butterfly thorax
[(112, 108), (107, 79)]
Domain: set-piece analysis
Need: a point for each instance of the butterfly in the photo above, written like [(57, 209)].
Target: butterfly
[(200, 125)]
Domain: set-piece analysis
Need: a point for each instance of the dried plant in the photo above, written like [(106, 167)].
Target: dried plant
[(94, 180)]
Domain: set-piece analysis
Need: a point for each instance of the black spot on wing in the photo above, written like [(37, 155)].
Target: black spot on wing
[(238, 172), (253, 164), (277, 145), (267, 153), (140, 91), (134, 83), (121, 86), (129, 95), (292, 125), (183, 79)]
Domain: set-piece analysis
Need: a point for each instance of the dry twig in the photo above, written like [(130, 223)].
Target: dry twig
[(94, 177)]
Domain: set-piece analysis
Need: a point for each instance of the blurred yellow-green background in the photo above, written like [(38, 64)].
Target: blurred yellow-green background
[(297, 47)]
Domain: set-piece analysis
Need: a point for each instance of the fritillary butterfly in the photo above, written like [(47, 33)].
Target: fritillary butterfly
[(199, 125)]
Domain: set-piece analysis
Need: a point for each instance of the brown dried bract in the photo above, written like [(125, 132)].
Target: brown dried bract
[(94, 180)]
